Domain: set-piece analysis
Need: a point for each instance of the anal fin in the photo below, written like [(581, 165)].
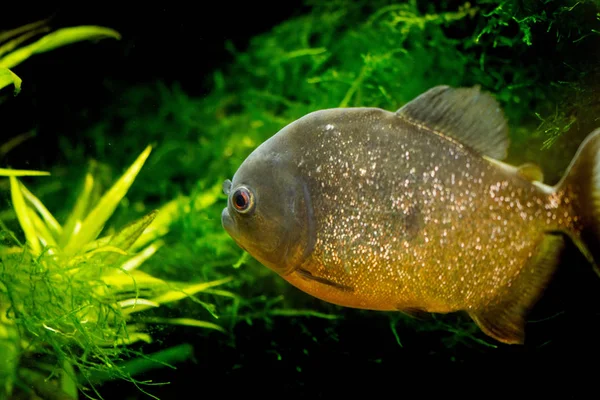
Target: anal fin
[(505, 319)]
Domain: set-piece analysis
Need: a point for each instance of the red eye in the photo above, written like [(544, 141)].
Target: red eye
[(242, 200)]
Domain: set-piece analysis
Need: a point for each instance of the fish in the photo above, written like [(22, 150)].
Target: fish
[(414, 210)]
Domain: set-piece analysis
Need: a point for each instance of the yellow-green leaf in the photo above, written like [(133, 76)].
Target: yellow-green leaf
[(137, 260), (7, 77), (59, 38), (15, 141), (4, 251), (81, 204), (160, 226), (133, 338), (137, 301), (9, 46), (171, 295), (88, 256), (128, 235), (174, 295), (51, 222), (96, 244), (22, 172), (185, 321), (4, 36), (224, 293), (67, 380), (23, 216), (43, 234), (121, 281), (95, 220)]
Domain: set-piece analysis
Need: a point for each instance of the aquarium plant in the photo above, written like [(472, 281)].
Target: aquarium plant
[(73, 295)]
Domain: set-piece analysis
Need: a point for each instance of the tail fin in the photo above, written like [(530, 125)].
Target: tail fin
[(583, 180)]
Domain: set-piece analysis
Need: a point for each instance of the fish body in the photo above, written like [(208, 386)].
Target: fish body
[(412, 210)]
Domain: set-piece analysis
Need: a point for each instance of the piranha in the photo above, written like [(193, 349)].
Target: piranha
[(414, 210)]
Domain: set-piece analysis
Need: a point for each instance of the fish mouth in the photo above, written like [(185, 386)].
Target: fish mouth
[(228, 224), (231, 228)]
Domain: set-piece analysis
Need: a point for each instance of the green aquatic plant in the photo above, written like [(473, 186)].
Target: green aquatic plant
[(73, 302), (69, 299), (562, 18), (13, 51)]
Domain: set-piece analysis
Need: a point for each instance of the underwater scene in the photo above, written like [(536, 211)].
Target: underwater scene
[(302, 200)]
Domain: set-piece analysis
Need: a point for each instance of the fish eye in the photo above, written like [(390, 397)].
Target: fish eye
[(242, 200)]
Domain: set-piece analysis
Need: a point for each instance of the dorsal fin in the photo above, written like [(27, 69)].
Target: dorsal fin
[(467, 115)]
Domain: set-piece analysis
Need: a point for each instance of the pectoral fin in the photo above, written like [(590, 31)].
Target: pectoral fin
[(505, 320), (308, 275)]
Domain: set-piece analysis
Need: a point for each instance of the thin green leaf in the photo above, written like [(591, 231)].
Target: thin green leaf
[(174, 295), (133, 338), (88, 256), (81, 204), (49, 219), (59, 38), (137, 260), (119, 281), (171, 295), (7, 77), (95, 220), (160, 226), (43, 234), (137, 301), (96, 244), (68, 384), (9, 46), (186, 322), (138, 366), (23, 217), (4, 36), (128, 235), (15, 141), (22, 172)]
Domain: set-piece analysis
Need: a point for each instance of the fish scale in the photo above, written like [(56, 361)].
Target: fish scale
[(461, 229)]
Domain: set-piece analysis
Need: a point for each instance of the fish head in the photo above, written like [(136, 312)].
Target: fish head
[(268, 211)]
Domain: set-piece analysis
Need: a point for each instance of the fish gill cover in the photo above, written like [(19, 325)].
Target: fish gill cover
[(539, 58)]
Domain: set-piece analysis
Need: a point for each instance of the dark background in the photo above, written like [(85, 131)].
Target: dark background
[(65, 90)]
